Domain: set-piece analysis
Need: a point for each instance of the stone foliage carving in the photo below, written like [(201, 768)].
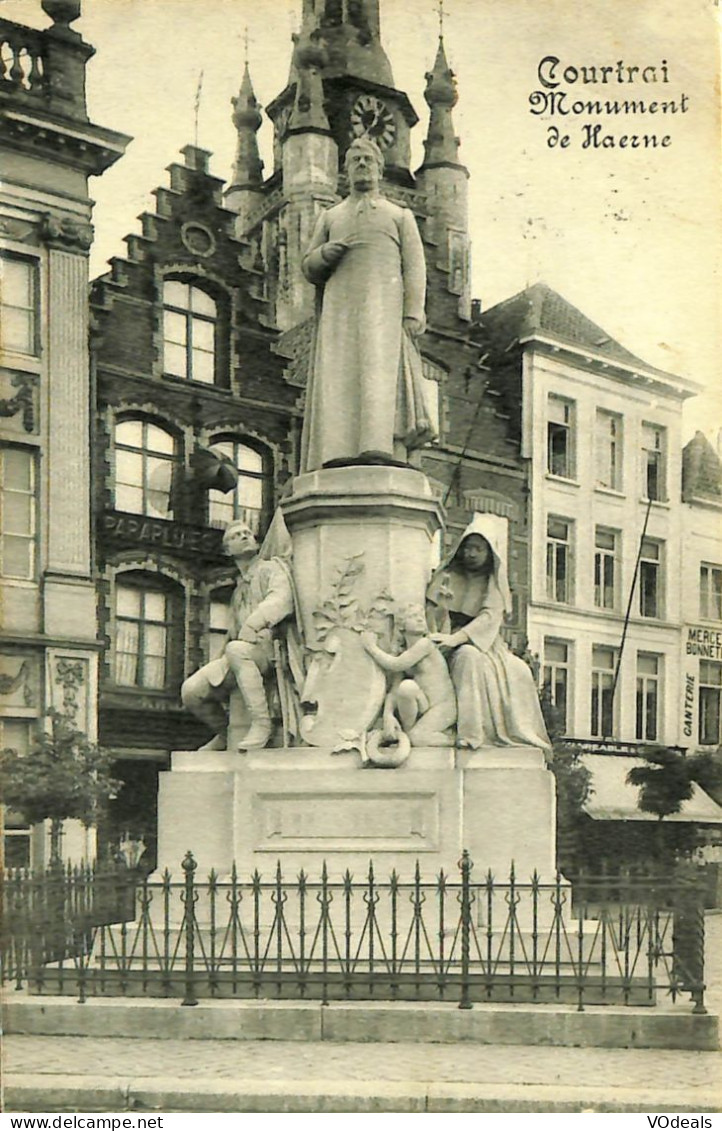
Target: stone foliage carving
[(70, 677), (22, 402), (344, 688), (18, 682)]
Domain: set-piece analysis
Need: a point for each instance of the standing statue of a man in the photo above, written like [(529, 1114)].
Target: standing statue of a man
[(263, 597), (365, 400)]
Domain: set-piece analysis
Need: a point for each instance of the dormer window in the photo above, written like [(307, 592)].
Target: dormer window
[(190, 323)]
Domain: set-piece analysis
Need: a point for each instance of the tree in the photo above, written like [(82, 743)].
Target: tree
[(668, 779), (63, 776)]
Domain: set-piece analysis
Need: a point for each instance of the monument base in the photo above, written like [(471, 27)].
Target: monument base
[(306, 806)]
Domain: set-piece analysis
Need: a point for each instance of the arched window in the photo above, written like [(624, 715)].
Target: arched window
[(190, 320), (148, 631), (249, 499), (145, 460)]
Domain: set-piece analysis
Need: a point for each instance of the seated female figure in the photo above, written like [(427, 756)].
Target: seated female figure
[(468, 596)]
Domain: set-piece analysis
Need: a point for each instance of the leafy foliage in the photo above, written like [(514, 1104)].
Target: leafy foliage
[(668, 778), (574, 783), (63, 775)]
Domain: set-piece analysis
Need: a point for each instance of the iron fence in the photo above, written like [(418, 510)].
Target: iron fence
[(633, 940)]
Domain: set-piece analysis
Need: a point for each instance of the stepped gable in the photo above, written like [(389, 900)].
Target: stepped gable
[(172, 233), (189, 232), (701, 470)]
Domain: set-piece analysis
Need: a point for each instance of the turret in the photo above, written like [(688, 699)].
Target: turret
[(244, 192), (444, 181), (310, 175)]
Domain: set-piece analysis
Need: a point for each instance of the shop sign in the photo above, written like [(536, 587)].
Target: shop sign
[(704, 642), (159, 534)]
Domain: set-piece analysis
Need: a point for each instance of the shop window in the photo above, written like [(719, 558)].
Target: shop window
[(654, 462), (602, 704), (18, 513), (648, 696), (19, 305), (650, 579), (250, 499), (560, 437), (605, 568), (710, 591), (190, 325), (609, 450), (148, 635), (556, 677), (559, 560), (145, 464), (710, 702)]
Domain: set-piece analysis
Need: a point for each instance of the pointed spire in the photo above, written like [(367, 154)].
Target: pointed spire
[(248, 167), (441, 145)]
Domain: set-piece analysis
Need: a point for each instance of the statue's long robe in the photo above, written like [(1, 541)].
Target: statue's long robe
[(365, 387)]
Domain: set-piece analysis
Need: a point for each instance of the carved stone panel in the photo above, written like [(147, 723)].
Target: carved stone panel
[(373, 821), (19, 684)]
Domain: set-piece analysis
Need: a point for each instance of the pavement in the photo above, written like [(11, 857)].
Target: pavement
[(113, 1074)]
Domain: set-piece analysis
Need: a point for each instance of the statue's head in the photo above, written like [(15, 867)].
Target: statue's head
[(364, 164), (239, 541), (475, 555), (412, 618)]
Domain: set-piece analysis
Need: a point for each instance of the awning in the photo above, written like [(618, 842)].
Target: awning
[(612, 799)]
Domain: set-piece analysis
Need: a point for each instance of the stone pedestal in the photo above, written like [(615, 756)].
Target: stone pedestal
[(305, 806), (387, 516)]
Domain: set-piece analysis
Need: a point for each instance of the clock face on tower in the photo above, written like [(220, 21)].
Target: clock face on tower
[(370, 117)]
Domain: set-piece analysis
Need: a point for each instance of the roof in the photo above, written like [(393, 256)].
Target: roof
[(540, 311), (612, 799), (701, 468)]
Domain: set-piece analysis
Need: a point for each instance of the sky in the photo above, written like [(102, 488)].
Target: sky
[(630, 236)]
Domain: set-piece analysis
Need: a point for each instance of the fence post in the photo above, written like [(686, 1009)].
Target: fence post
[(688, 939), (189, 899), (465, 865)]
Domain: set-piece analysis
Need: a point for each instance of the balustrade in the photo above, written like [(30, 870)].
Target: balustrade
[(22, 61)]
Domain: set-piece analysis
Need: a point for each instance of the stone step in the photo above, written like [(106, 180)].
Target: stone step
[(415, 1022)]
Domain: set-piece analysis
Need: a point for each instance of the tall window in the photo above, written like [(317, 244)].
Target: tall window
[(143, 635), (648, 674), (560, 436), (556, 678), (710, 591), (609, 450), (17, 513), (653, 462), (189, 332), (710, 702), (218, 619), (247, 500), (605, 568), (18, 305), (559, 560), (145, 458), (15, 735), (602, 706), (650, 579)]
